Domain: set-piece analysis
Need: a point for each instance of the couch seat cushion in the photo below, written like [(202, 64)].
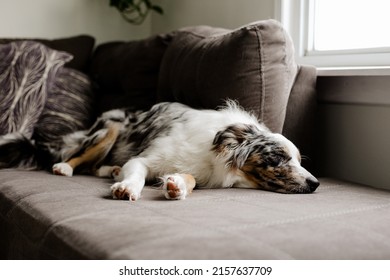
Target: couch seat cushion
[(46, 216)]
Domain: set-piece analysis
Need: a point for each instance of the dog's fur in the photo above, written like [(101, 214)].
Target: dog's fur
[(183, 147)]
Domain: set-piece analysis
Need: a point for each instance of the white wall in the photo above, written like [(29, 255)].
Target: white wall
[(356, 143), (221, 13), (354, 128), (60, 18)]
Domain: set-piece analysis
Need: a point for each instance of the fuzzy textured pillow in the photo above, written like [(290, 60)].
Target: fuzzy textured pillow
[(253, 64), (80, 47), (27, 70), (68, 107)]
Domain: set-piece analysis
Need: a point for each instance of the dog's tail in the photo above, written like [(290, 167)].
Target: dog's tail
[(17, 151)]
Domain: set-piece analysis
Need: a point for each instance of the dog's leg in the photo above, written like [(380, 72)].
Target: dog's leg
[(106, 171), (178, 186), (133, 173), (92, 154)]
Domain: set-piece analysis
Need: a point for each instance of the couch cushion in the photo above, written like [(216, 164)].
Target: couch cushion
[(68, 107), (27, 71), (253, 64), (126, 73), (46, 216), (80, 47)]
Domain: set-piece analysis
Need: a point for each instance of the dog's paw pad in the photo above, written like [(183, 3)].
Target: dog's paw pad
[(121, 191), (174, 188), (62, 169), (116, 170)]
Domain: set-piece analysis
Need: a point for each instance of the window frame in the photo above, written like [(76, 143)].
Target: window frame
[(297, 17)]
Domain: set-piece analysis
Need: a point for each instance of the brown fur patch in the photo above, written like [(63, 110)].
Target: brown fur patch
[(265, 177), (99, 150)]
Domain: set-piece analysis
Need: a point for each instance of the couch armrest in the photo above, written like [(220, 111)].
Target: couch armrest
[(300, 122)]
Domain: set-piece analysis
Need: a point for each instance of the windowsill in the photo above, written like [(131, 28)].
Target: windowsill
[(353, 71), (364, 85)]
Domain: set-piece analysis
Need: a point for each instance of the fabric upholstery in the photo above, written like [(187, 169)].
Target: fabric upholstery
[(127, 72), (69, 106), (27, 70), (80, 47), (301, 116), (253, 64), (49, 216)]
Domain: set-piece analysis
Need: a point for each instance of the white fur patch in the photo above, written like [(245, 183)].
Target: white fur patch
[(63, 169)]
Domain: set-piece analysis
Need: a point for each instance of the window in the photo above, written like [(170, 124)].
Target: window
[(334, 33)]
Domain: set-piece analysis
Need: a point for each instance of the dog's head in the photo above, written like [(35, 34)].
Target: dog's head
[(263, 160)]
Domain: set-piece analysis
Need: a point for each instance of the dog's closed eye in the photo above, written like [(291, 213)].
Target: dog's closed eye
[(274, 161), (277, 160)]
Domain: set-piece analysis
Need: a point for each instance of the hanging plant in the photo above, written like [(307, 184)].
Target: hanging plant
[(135, 11)]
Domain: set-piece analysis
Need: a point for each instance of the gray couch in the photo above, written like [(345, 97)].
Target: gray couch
[(43, 216)]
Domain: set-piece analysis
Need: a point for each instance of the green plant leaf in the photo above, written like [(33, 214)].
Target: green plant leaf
[(135, 11), (157, 9), (148, 3)]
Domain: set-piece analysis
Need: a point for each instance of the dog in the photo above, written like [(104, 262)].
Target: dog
[(183, 147)]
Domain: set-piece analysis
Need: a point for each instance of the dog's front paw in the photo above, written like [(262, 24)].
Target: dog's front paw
[(174, 187), (122, 190), (63, 169)]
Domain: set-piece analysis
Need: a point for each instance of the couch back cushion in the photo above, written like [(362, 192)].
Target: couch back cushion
[(254, 64), (126, 73)]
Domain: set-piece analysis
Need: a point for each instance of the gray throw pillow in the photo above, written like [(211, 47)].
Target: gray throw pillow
[(27, 70), (253, 64)]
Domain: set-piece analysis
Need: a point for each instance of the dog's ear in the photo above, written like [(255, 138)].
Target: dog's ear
[(231, 144), (228, 139), (224, 141), (240, 156)]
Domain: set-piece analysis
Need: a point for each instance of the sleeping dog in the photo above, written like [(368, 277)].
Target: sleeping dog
[(185, 147)]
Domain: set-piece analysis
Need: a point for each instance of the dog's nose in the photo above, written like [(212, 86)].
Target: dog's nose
[(313, 183)]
